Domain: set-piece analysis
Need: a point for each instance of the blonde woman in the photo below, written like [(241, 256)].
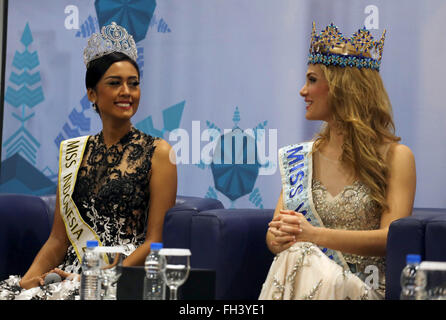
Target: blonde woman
[(341, 191)]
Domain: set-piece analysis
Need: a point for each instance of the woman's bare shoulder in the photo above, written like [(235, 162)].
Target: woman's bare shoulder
[(390, 149), (400, 150), (400, 157), (164, 153)]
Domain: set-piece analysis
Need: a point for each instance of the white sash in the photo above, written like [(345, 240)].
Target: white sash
[(70, 158), (296, 168)]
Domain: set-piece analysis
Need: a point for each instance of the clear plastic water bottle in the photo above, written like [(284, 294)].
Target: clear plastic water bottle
[(154, 287), (90, 287), (408, 275)]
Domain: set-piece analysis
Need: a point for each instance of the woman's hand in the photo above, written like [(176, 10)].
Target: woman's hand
[(282, 239), (65, 275), (290, 226), (33, 282), (40, 280)]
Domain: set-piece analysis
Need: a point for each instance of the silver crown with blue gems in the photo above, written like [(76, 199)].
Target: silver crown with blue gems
[(330, 47), (112, 38)]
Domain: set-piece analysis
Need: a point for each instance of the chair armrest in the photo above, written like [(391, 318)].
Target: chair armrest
[(196, 204), (177, 222), (50, 201), (435, 242), (24, 228), (406, 236)]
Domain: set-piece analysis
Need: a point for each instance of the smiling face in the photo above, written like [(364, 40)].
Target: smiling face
[(117, 93), (315, 92)]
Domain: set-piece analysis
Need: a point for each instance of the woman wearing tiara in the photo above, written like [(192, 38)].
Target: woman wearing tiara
[(341, 191), (115, 186)]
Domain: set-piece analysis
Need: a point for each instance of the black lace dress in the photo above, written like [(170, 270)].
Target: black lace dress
[(111, 194), (112, 191)]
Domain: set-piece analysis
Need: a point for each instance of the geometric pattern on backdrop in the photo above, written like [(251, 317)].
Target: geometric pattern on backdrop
[(18, 171), (171, 121), (134, 15), (234, 180), (22, 97), (91, 25)]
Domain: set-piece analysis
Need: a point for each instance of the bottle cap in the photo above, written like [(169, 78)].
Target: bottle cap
[(92, 243), (156, 246), (413, 258)]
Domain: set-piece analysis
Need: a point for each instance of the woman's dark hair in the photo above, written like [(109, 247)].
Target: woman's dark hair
[(98, 67)]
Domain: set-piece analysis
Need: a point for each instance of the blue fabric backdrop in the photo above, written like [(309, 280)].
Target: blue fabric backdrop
[(235, 66)]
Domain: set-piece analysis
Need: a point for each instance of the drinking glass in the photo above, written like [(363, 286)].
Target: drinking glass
[(431, 280), (111, 270), (175, 267)]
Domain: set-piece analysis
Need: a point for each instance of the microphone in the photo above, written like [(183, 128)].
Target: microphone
[(52, 278)]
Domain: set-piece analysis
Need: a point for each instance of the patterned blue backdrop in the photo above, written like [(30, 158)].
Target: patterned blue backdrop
[(214, 73)]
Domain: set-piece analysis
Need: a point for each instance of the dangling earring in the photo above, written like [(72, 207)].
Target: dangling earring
[(95, 107)]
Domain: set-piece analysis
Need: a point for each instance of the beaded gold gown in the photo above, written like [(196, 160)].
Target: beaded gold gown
[(304, 272)]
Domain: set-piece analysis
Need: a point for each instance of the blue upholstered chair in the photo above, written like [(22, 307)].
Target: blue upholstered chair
[(423, 233), (26, 221), (177, 223), (25, 224), (229, 241), (232, 242)]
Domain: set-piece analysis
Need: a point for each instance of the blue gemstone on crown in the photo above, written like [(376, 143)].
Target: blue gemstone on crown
[(330, 47)]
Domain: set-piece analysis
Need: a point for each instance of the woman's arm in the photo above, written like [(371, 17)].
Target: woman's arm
[(400, 197), (276, 240), (51, 254), (163, 192)]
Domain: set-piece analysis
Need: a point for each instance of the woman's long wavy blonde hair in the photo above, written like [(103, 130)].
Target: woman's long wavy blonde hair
[(362, 110)]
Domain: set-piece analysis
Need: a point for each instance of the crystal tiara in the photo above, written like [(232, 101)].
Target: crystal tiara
[(331, 48), (113, 38)]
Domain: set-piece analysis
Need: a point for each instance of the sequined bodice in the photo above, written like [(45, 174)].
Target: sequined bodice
[(351, 209)]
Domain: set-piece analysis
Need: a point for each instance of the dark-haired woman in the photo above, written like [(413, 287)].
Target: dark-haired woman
[(122, 180)]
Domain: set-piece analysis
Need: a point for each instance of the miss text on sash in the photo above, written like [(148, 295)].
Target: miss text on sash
[(73, 150)]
